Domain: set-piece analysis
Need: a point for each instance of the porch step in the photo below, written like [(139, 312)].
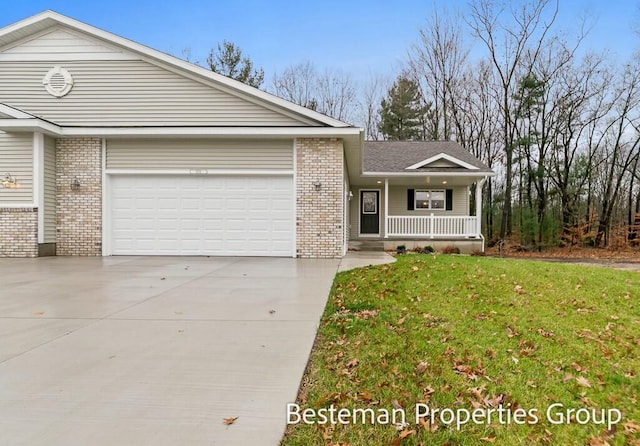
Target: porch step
[(366, 245)]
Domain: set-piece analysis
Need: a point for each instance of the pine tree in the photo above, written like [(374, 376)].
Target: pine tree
[(403, 113), (227, 60)]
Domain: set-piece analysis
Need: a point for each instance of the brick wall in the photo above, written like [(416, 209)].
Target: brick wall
[(319, 225), (18, 232), (79, 212)]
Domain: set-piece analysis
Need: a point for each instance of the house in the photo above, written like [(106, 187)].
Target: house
[(108, 147), (418, 194)]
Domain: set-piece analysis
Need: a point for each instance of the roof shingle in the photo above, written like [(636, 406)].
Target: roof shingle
[(396, 156)]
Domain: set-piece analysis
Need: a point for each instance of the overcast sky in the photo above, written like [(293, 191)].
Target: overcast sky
[(355, 36)]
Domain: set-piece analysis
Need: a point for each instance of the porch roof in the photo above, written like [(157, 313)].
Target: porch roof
[(402, 157)]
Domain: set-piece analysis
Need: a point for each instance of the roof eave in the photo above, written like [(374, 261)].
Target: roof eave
[(474, 173)]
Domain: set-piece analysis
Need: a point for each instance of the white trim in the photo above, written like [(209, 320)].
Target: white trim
[(445, 156), (61, 57), (50, 16), (308, 132), (479, 185), (38, 181), (14, 112), (429, 191), (198, 172), (373, 235), (31, 124), (386, 207), (106, 203), (295, 198), (18, 205), (428, 174)]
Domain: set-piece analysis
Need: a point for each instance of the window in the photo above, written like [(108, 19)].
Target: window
[(429, 199)]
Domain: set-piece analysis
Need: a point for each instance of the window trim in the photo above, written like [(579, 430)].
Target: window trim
[(430, 208)]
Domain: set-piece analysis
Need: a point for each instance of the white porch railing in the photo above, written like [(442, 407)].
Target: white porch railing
[(432, 226)]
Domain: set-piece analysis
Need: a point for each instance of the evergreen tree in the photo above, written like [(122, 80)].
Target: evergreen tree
[(227, 60), (403, 112)]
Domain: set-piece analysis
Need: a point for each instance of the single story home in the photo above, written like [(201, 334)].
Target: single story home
[(108, 147)]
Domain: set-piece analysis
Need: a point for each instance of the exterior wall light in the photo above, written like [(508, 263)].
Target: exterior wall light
[(9, 181), (317, 185), (75, 184)]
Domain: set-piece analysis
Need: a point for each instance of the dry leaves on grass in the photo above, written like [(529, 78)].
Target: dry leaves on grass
[(582, 381)]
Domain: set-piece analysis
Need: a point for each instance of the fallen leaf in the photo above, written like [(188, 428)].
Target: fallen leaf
[(568, 377), (488, 439), (631, 426), (422, 366), (595, 441), (405, 433), (229, 421), (582, 381), (353, 363), (578, 368), (518, 289), (512, 332), (38, 313)]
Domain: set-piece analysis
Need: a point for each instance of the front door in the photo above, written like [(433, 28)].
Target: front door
[(369, 212)]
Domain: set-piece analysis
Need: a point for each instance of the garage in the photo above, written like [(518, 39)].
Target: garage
[(222, 215)]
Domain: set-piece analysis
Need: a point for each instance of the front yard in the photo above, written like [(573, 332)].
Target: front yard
[(489, 350)]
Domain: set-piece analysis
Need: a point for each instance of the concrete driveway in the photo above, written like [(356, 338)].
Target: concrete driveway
[(154, 350)]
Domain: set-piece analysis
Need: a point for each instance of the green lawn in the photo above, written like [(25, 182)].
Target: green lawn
[(510, 339)]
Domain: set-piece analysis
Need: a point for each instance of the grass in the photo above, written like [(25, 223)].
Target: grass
[(468, 333)]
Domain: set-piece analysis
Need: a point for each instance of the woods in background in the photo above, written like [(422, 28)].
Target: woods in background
[(560, 124)]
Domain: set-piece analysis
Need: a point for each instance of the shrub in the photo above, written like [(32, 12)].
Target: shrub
[(450, 249)]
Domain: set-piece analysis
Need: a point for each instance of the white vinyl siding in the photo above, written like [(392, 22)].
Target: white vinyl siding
[(60, 41), (200, 154), (130, 93), (49, 190), (202, 215), (16, 158)]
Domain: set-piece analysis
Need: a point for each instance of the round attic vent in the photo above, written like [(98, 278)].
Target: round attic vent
[(58, 82)]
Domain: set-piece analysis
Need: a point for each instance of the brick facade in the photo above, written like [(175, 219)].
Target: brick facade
[(79, 212), (18, 232), (319, 212)]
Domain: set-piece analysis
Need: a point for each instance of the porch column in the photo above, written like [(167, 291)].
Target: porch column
[(479, 206), (386, 207)]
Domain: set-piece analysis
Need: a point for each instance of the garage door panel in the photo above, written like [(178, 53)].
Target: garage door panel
[(202, 215)]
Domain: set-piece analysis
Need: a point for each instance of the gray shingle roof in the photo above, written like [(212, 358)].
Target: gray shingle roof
[(396, 156)]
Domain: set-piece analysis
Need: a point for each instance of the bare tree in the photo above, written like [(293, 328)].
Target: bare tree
[(371, 96), (622, 142), (507, 41), (297, 84), (332, 92), (438, 60)]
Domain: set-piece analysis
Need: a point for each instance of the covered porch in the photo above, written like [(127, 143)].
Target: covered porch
[(417, 211), (417, 194), (432, 225)]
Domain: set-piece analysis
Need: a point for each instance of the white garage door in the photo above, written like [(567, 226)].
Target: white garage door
[(202, 215)]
